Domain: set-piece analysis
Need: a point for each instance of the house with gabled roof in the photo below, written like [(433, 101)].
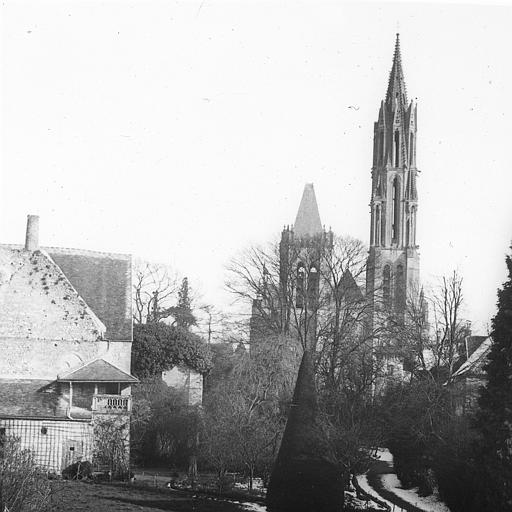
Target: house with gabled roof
[(466, 382), (65, 343)]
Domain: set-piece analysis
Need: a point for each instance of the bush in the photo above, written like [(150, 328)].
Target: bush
[(23, 486), (111, 447)]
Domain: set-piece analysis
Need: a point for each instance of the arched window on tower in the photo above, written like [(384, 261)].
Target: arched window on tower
[(395, 210), (381, 147), (408, 230), (313, 284), (299, 293), (386, 287), (397, 148), (411, 150), (377, 225), (413, 226), (400, 289)]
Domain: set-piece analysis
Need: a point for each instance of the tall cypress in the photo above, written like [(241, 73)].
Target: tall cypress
[(494, 419), (304, 477)]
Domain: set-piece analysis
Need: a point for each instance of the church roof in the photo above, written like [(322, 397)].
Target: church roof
[(396, 84), (307, 222), (97, 371)]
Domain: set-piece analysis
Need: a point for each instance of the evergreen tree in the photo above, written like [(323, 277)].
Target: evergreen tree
[(304, 477), (183, 313), (494, 419)]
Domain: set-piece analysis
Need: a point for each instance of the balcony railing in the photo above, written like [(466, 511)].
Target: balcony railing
[(112, 404)]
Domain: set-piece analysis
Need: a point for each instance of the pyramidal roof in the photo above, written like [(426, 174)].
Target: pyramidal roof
[(307, 222), (98, 370), (396, 84)]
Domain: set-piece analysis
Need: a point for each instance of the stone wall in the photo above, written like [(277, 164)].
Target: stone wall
[(187, 380), (46, 359)]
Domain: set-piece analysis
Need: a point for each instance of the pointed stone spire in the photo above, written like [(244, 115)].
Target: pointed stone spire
[(307, 222), (396, 84)]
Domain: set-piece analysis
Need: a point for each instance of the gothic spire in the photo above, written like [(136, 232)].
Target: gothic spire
[(396, 84), (308, 221)]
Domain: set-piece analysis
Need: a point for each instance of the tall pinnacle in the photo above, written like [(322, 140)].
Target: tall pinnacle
[(396, 85), (308, 221)]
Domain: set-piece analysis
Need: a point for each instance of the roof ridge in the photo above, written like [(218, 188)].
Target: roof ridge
[(73, 251)]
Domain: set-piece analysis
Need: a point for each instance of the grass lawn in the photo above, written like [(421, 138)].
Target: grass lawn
[(73, 496)]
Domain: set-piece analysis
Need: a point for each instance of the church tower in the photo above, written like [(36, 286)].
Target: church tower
[(303, 250), (393, 261), (291, 307)]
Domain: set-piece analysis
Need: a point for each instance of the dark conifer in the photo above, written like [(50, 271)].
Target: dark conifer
[(304, 478), (183, 313), (494, 419)]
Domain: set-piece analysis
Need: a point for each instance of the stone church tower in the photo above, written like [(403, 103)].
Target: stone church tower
[(393, 261), (292, 306)]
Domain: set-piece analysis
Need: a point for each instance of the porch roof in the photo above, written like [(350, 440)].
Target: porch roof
[(98, 370)]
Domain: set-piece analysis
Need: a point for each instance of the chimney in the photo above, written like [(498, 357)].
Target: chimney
[(32, 238)]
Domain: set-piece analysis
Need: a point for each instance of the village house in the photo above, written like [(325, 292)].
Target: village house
[(466, 382), (65, 348), (188, 381)]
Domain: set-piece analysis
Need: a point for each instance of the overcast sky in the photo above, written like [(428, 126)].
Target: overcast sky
[(182, 132)]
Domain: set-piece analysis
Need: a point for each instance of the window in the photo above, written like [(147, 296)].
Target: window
[(411, 150), (386, 286), (377, 225), (400, 288), (395, 210), (313, 281), (381, 147), (299, 299), (397, 148)]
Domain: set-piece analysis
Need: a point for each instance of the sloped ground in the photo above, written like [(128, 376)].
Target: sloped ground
[(88, 497)]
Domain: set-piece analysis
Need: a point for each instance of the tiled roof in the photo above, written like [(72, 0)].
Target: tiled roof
[(475, 361), (97, 371), (30, 398), (307, 222), (38, 301), (104, 281)]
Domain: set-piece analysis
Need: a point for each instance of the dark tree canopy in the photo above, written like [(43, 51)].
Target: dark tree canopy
[(158, 347), (494, 420)]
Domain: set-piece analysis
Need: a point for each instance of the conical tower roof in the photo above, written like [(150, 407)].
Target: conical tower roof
[(307, 222), (396, 84)]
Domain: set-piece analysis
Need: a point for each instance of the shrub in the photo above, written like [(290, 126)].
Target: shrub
[(23, 486), (111, 446)]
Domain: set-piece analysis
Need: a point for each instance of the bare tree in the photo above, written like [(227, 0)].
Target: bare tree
[(245, 413), (155, 289), (316, 299), (434, 330), (449, 326)]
